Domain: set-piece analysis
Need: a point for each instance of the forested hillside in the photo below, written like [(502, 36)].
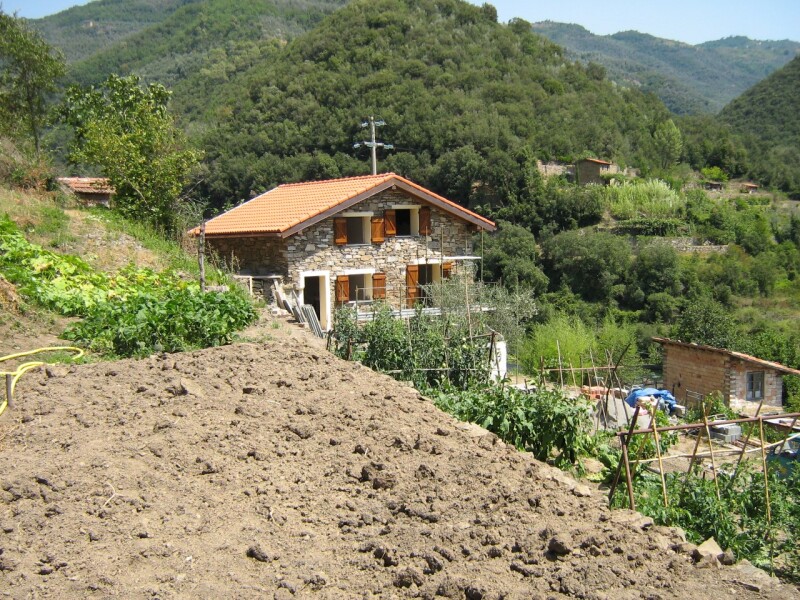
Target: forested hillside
[(468, 103), (688, 79), (81, 31), (768, 117)]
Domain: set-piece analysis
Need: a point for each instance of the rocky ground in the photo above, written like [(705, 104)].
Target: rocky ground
[(275, 470)]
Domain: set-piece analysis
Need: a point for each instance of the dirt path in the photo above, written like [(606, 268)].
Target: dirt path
[(275, 470)]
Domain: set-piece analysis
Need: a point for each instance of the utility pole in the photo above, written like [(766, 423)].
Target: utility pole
[(372, 144)]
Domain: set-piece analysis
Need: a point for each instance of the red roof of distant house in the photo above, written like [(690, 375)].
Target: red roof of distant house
[(597, 161), (740, 355), (87, 185), (750, 185), (292, 207)]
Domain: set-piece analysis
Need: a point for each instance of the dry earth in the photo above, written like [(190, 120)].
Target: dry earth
[(277, 470)]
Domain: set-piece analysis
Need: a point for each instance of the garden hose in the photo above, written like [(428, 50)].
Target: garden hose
[(13, 376)]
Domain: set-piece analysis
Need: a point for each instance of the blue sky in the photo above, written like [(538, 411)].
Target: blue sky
[(691, 21)]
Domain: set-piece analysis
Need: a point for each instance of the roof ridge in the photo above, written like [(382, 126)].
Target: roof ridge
[(301, 183)]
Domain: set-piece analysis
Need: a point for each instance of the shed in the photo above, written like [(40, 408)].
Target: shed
[(591, 170), (744, 381), (90, 191)]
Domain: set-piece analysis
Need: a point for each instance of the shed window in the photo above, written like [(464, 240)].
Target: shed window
[(755, 385)]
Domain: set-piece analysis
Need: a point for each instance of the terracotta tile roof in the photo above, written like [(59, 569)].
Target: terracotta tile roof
[(291, 207), (732, 353), (87, 185), (596, 160)]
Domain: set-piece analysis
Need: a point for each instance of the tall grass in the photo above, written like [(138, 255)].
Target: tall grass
[(652, 198)]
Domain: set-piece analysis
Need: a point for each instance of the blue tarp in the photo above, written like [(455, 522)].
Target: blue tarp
[(666, 401)]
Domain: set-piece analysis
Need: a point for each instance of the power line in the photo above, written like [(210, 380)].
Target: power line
[(373, 145)]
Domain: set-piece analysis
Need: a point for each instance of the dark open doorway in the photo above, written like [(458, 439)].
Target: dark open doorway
[(313, 293)]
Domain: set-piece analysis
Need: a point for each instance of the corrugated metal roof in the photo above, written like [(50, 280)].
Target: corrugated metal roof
[(292, 207)]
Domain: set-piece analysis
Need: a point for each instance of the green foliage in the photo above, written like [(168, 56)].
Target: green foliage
[(714, 173), (451, 84), (127, 132), (29, 69), (510, 256), (593, 265), (705, 321), (668, 144), (173, 318), (650, 198), (541, 422), (688, 79), (429, 351), (766, 116), (738, 520), (132, 313)]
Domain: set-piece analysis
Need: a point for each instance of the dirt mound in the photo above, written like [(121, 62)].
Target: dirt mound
[(275, 471)]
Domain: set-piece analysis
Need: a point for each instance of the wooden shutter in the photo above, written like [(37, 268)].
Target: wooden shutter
[(379, 286), (340, 230), (412, 285), (377, 230), (390, 222), (342, 289), (447, 270), (425, 221)]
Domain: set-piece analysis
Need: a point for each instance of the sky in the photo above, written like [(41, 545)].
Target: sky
[(690, 21)]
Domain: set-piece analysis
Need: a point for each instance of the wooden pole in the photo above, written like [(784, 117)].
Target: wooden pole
[(691, 463), (744, 447), (658, 454), (201, 255), (766, 491), (711, 451), (624, 442), (560, 366), (628, 475), (574, 383)]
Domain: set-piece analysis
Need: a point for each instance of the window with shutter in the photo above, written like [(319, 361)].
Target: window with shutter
[(425, 220), (340, 230), (412, 285), (390, 222), (379, 286), (377, 230), (342, 289)]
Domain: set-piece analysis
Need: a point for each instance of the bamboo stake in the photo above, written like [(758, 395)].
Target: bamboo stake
[(619, 465), (658, 454), (628, 475), (744, 447), (766, 492), (201, 255), (711, 450), (574, 382), (691, 463), (560, 368)]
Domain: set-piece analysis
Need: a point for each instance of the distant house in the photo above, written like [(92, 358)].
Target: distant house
[(591, 170), (714, 186), (90, 191), (377, 237), (743, 380), (749, 188)]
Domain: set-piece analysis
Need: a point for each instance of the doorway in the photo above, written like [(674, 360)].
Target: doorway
[(316, 293)]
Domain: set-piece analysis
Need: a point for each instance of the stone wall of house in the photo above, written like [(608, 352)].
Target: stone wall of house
[(695, 370), (251, 255), (773, 386), (313, 249)]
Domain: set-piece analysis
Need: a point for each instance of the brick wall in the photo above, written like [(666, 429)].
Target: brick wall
[(695, 369)]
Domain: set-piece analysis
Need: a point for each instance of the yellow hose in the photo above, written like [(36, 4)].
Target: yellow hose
[(25, 367)]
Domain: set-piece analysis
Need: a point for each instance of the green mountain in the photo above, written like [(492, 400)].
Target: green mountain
[(468, 104), (768, 117), (688, 79), (82, 31)]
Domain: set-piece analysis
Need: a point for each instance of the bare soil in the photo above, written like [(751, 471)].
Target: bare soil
[(276, 470)]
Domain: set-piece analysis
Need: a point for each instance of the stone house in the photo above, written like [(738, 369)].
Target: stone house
[(591, 170), (358, 239), (743, 380), (90, 191)]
